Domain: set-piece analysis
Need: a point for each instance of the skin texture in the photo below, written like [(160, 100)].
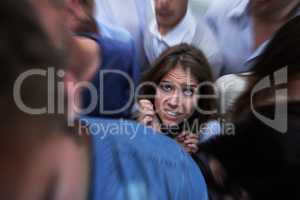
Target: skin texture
[(175, 102), (40, 158), (83, 52), (50, 13), (175, 93), (61, 162), (76, 15), (272, 9), (268, 16), (48, 164), (169, 13)]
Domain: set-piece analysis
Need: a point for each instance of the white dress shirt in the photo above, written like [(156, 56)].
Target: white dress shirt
[(187, 31)]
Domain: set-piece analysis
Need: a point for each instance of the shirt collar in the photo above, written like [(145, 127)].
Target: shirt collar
[(240, 9), (183, 32)]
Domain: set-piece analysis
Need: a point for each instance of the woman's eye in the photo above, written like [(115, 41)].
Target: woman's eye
[(166, 87), (188, 92)]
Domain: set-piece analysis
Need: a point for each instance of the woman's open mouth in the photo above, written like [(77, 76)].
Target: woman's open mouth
[(172, 116)]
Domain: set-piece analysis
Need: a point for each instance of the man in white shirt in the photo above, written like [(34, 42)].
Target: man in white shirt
[(172, 24)]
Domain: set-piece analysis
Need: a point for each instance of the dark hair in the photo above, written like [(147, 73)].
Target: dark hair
[(189, 58), (259, 159), (282, 51)]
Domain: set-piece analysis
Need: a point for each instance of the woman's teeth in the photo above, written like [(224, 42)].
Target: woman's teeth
[(172, 113)]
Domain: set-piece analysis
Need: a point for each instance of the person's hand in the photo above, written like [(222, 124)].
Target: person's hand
[(147, 114), (188, 141)]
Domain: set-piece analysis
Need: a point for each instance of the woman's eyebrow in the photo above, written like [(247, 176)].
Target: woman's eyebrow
[(185, 84), (165, 81), (189, 85)]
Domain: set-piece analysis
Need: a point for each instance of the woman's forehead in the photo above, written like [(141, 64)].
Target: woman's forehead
[(180, 76)]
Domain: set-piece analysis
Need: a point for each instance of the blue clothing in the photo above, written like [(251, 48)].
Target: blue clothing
[(132, 162), (114, 90)]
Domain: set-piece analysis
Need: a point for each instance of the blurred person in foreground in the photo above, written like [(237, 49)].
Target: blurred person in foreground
[(261, 161), (107, 64), (42, 158)]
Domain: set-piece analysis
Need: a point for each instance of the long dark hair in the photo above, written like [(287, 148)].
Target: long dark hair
[(282, 51), (189, 58)]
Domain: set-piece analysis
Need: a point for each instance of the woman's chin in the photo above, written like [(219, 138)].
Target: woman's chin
[(171, 123), (170, 120)]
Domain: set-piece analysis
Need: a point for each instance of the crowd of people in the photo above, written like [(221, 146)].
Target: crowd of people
[(142, 99)]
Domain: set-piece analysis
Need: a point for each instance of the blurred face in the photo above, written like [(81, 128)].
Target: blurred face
[(77, 15), (269, 8), (59, 157), (170, 12), (175, 98), (51, 14)]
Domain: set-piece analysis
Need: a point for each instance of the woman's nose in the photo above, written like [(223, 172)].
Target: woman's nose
[(174, 100)]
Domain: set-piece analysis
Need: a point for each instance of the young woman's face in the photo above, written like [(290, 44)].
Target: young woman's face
[(176, 97)]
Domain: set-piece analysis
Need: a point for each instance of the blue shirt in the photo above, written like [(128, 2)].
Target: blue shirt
[(114, 90), (132, 162)]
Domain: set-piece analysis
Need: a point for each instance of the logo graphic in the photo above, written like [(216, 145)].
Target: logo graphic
[(279, 122)]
